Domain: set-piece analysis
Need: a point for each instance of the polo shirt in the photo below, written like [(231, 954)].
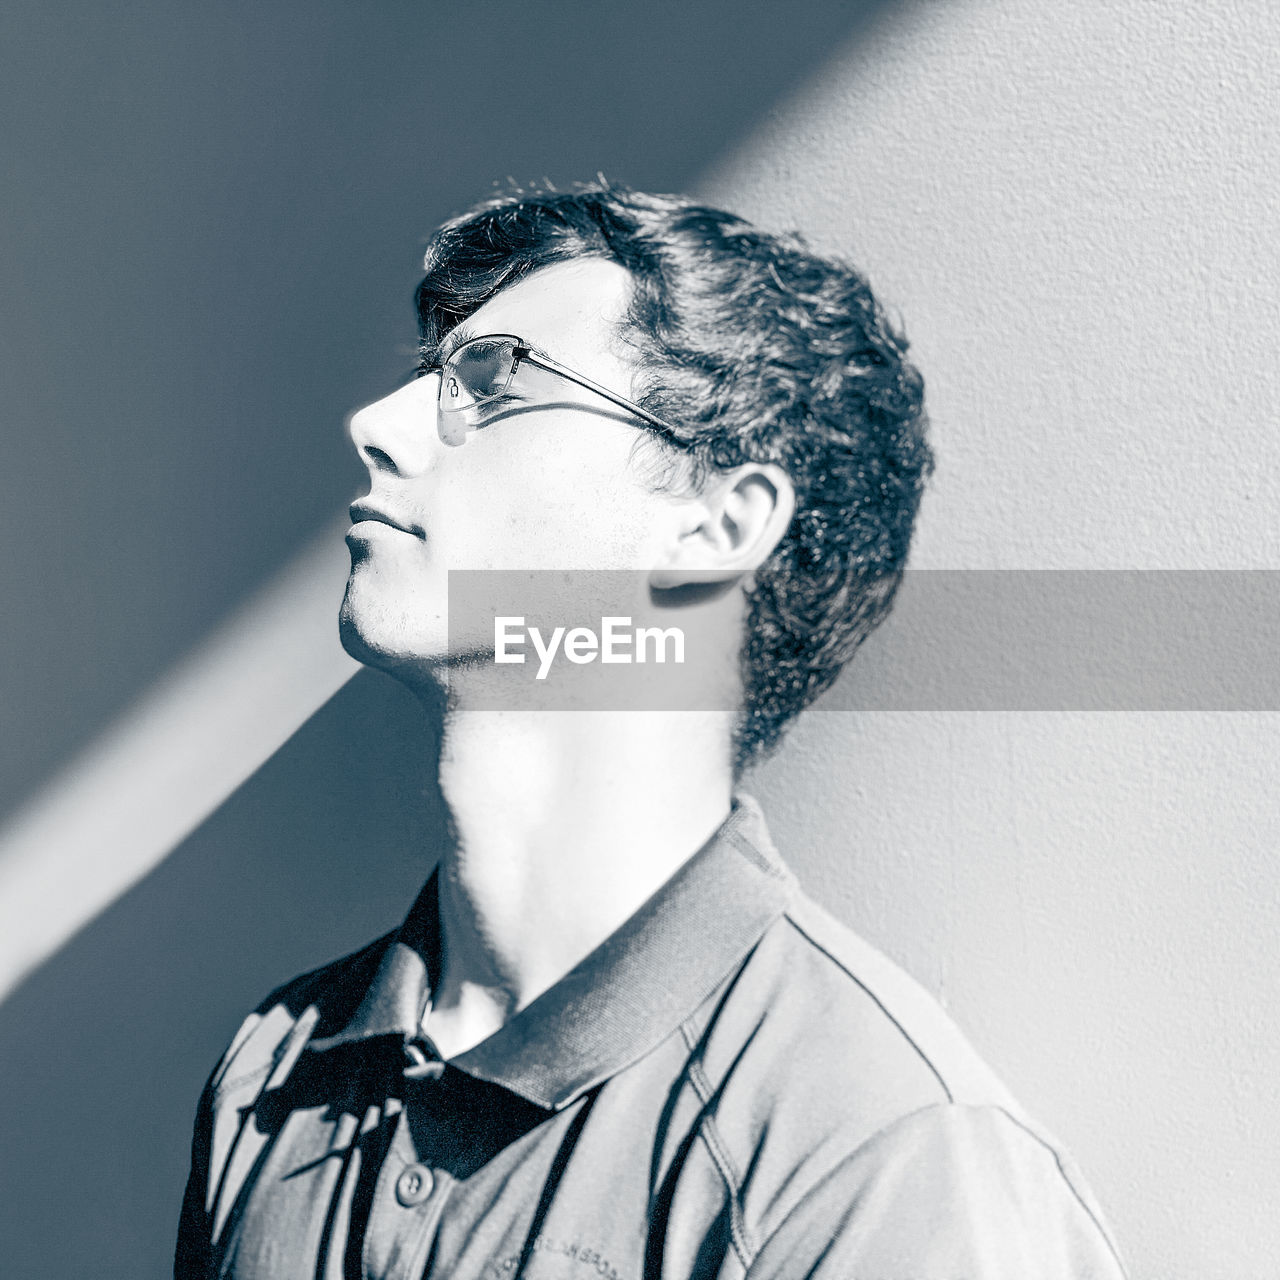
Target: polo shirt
[(732, 1085)]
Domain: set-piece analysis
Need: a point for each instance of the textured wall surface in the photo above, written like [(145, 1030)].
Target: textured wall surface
[(217, 212), (1074, 208)]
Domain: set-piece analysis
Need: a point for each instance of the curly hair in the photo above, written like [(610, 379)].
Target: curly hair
[(762, 351)]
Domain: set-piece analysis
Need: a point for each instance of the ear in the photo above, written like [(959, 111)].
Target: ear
[(732, 527)]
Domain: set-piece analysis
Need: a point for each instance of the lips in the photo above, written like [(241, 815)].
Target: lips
[(364, 510)]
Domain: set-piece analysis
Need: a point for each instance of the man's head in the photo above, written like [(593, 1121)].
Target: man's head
[(768, 360)]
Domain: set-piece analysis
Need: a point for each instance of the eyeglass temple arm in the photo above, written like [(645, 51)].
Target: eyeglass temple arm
[(523, 352)]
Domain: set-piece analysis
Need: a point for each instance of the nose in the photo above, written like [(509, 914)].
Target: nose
[(398, 434)]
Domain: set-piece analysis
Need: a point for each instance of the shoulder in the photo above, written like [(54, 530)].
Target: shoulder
[(844, 1090), (872, 999), (950, 1189), (260, 1056), (820, 1024), (312, 1005)]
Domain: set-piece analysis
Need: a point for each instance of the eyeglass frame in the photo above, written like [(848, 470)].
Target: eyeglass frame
[(523, 350)]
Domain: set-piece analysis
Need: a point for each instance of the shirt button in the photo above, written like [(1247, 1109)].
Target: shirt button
[(414, 1185)]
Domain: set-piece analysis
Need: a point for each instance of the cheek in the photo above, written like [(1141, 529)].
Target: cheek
[(550, 502), (605, 522)]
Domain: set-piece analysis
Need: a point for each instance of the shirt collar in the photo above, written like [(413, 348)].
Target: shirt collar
[(623, 999)]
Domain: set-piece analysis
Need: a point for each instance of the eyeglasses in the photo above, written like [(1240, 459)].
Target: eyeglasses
[(476, 375)]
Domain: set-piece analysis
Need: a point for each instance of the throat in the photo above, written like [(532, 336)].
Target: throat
[(564, 825)]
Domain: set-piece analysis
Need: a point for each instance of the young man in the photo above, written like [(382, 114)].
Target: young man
[(612, 1037)]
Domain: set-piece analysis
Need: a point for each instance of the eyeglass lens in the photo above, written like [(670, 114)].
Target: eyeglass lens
[(478, 371)]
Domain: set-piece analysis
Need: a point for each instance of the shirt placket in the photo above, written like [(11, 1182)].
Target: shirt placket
[(408, 1200)]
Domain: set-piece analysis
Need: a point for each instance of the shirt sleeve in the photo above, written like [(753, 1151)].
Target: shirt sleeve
[(216, 1120), (191, 1260), (947, 1193)]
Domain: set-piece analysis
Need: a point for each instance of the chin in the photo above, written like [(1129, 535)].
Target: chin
[(353, 637), (387, 640)]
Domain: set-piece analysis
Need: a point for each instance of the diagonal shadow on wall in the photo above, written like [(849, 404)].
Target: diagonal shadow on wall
[(215, 215), (219, 208), (105, 1048)]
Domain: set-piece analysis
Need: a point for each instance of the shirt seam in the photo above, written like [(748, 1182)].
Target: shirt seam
[(1070, 1182), (739, 1235), (234, 1084), (986, 1106), (853, 977), (289, 1045)]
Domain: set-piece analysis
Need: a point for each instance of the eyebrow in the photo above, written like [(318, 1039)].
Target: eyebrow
[(462, 332)]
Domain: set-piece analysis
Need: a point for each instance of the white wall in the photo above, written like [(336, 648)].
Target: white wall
[(1073, 207)]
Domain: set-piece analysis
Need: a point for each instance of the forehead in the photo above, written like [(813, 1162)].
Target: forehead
[(570, 309)]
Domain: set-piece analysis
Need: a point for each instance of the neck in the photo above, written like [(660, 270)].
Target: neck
[(564, 824)]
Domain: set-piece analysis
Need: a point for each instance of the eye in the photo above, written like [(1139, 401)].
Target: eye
[(477, 373)]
